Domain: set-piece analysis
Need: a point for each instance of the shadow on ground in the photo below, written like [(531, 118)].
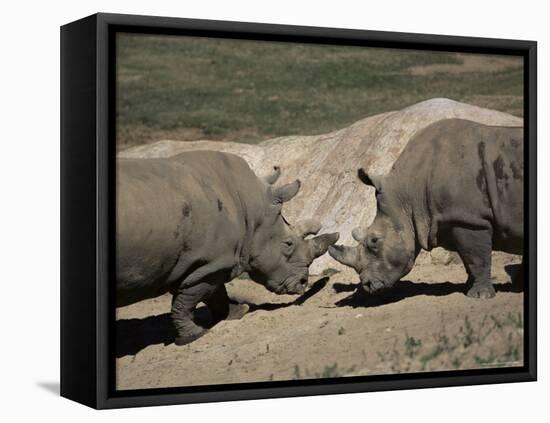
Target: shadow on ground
[(315, 288), (406, 289), (133, 335)]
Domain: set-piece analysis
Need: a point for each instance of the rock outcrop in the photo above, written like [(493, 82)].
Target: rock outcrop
[(327, 164)]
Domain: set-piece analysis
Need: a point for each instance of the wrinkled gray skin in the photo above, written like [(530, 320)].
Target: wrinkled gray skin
[(190, 223), (458, 185)]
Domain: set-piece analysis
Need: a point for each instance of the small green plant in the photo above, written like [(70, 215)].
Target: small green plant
[(412, 346), (516, 319), (329, 271), (433, 353), (468, 335), (297, 373), (487, 360), (497, 322), (329, 371), (512, 353)]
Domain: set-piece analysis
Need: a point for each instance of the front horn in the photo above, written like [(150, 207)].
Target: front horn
[(343, 254)]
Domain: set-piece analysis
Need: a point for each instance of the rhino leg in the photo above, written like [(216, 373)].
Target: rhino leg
[(221, 307), (474, 247), (183, 303)]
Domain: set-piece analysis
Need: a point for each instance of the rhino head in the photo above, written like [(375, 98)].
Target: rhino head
[(282, 253), (387, 249)]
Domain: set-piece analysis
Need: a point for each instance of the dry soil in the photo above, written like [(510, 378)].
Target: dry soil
[(425, 324)]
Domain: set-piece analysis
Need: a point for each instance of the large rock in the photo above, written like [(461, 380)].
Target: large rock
[(327, 164)]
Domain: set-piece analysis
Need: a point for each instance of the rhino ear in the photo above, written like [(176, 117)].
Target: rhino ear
[(273, 176), (370, 180), (286, 192), (320, 244)]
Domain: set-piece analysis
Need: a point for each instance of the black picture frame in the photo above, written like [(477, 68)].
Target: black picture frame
[(87, 209)]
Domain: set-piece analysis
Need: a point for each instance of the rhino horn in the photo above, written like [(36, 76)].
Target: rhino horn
[(344, 255), (358, 234), (320, 244), (307, 227), (273, 176), (286, 192)]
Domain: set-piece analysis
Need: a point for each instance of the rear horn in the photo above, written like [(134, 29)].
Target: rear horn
[(273, 176), (358, 234), (307, 227)]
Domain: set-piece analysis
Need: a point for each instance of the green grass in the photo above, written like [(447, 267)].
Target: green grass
[(330, 371), (193, 88), (492, 341)]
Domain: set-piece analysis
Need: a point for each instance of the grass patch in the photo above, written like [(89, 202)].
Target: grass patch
[(329, 271), (330, 371), (492, 341), (193, 88), (412, 346)]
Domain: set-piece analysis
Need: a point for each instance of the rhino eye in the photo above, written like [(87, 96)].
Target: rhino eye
[(288, 247), (373, 240), (372, 243)]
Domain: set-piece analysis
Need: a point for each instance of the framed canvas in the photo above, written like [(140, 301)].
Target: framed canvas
[(259, 211)]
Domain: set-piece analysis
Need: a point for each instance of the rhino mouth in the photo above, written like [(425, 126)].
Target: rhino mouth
[(374, 285), (294, 285)]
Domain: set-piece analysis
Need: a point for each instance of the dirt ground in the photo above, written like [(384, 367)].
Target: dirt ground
[(426, 324)]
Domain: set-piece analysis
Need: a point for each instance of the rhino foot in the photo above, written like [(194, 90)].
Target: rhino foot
[(189, 337), (237, 311), (483, 291)]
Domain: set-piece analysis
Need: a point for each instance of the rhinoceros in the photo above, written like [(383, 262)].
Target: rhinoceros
[(458, 185), (190, 223)]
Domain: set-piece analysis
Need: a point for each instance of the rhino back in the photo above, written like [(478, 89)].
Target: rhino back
[(461, 172), (176, 214)]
